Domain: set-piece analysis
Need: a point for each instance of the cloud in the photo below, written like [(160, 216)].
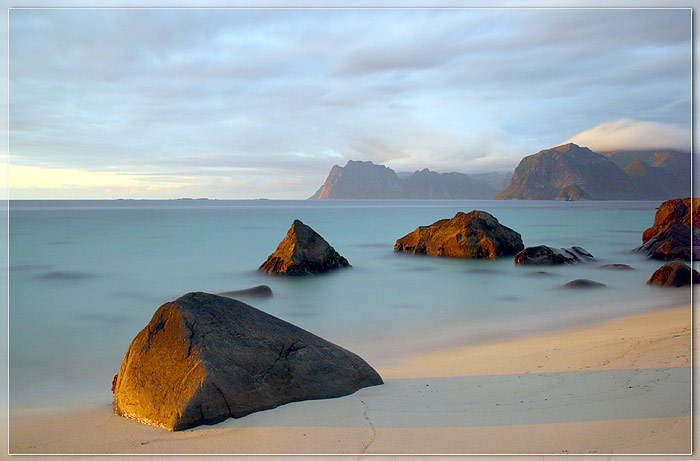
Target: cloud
[(205, 93), (629, 134)]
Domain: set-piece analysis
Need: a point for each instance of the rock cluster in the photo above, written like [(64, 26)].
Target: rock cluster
[(205, 358), (468, 235), (674, 274), (302, 252), (676, 231), (543, 254)]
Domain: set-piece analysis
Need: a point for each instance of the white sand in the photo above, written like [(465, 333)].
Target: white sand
[(617, 387)]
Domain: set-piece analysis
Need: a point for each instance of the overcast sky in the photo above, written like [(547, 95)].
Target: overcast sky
[(261, 103)]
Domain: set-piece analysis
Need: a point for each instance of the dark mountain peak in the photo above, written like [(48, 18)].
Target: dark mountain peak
[(637, 169), (362, 164), (424, 172)]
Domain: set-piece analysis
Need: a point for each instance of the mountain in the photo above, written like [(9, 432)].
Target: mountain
[(498, 181), (572, 172), (661, 174), (365, 180)]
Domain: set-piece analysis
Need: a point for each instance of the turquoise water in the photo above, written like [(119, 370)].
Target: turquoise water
[(86, 276)]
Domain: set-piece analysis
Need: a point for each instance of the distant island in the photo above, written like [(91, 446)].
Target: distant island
[(572, 172), (366, 180), (566, 172)]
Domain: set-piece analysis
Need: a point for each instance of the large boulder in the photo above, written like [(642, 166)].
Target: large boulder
[(674, 274), (302, 252), (468, 235), (676, 231), (543, 254), (205, 358)]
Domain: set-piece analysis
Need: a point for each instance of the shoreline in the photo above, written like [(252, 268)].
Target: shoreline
[(565, 387), (568, 349)]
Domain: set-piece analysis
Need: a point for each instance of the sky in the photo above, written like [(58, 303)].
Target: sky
[(248, 103)]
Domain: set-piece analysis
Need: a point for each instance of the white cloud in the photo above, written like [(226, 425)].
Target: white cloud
[(630, 134)]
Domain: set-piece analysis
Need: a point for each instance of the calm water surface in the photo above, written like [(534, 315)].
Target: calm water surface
[(86, 277)]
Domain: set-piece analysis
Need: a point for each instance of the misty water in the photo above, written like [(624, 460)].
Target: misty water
[(87, 276)]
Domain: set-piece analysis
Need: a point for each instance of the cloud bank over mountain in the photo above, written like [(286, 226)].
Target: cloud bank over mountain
[(627, 134)]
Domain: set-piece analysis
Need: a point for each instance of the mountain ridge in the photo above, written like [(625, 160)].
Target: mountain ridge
[(367, 180)]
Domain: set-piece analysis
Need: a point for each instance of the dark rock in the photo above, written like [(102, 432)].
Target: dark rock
[(674, 274), (472, 235), (302, 252), (260, 291), (205, 358), (543, 254), (619, 267), (673, 235), (540, 274), (584, 283)]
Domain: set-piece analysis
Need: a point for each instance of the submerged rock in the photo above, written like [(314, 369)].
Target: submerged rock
[(543, 254), (674, 274), (619, 267), (260, 291), (584, 283), (302, 252), (468, 235), (675, 233), (205, 358)]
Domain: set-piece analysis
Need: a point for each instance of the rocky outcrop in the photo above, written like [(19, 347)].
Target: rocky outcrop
[(572, 192), (674, 274), (366, 180), (676, 231), (302, 252), (468, 235), (543, 254), (205, 358), (584, 283), (260, 291)]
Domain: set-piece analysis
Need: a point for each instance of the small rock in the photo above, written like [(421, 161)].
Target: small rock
[(584, 283), (260, 291), (674, 274), (543, 254), (619, 267)]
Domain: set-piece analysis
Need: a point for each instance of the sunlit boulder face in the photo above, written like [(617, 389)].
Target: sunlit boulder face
[(676, 231), (205, 358), (303, 252), (674, 274), (468, 235)]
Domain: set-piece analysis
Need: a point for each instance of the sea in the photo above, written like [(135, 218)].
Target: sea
[(86, 276)]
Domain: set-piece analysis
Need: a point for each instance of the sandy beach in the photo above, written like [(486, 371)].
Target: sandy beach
[(617, 387)]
